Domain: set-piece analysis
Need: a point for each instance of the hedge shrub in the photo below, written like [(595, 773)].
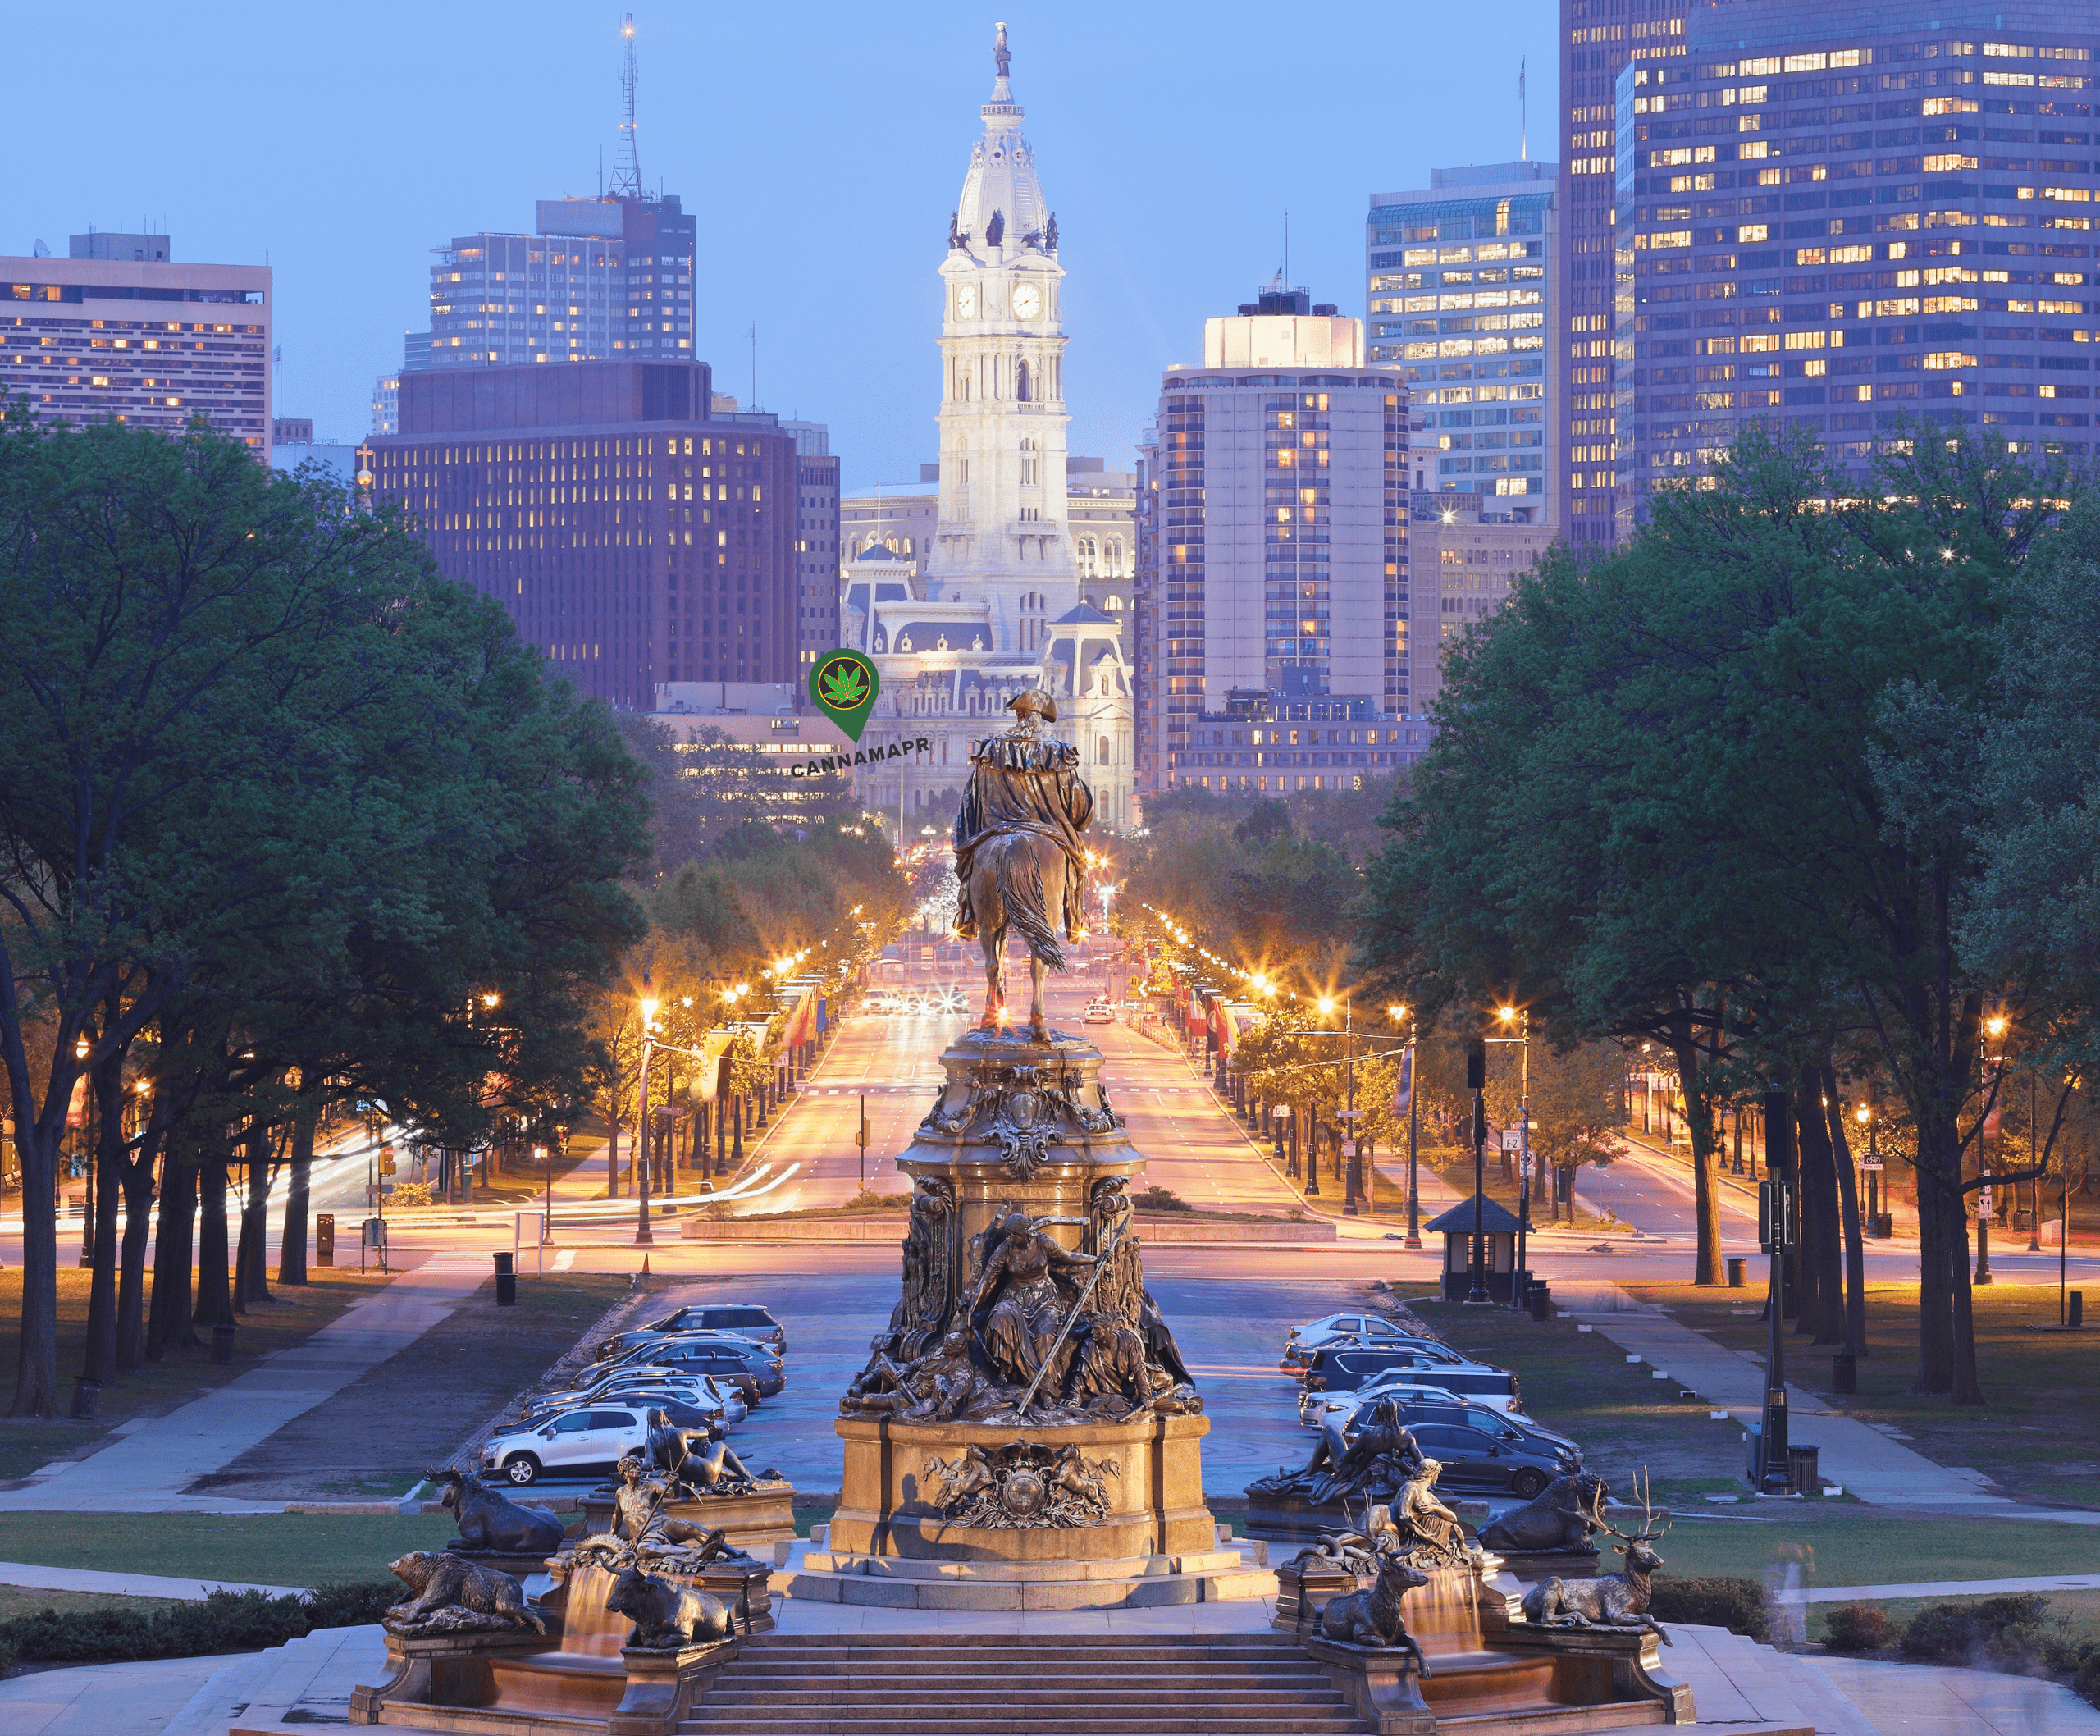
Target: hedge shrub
[(224, 1621), (2002, 1633), (1856, 1627)]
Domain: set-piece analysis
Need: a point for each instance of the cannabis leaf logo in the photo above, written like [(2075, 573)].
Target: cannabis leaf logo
[(844, 686)]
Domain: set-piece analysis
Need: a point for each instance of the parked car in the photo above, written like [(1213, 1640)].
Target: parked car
[(747, 1320), (675, 1400), (1346, 1369), (1315, 1408), (583, 1442), (1512, 1462), (1372, 1329), (700, 1391), (752, 1367), (1498, 1425)]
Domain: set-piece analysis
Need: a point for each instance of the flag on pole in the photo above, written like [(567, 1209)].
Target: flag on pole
[(1404, 1091)]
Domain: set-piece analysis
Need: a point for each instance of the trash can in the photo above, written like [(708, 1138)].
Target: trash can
[(87, 1394), (1541, 1300), (1844, 1372), (222, 1343), (324, 1239), (1885, 1226), (2077, 1304), (506, 1282), (1802, 1460), (1737, 1269)]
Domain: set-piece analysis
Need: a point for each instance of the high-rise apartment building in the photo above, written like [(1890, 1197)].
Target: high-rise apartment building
[(120, 329), (386, 404), (1838, 218), (598, 280), (816, 542), (1273, 590), (1463, 281), (1599, 39), (637, 539)]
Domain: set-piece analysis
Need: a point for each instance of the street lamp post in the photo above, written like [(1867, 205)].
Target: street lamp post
[(1985, 1204), (1398, 1014), (1775, 1221), (1476, 1082), (642, 1237), (2034, 1163)]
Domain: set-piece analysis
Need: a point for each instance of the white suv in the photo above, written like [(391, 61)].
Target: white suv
[(583, 1442)]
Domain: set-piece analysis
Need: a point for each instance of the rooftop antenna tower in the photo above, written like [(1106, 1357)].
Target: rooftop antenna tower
[(627, 177), (1524, 117)]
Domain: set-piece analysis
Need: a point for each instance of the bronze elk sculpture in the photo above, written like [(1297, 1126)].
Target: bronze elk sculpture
[(1617, 1599)]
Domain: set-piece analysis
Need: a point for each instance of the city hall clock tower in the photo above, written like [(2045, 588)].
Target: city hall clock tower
[(999, 607)]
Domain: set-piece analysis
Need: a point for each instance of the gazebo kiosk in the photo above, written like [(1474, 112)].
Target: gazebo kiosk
[(1499, 1226)]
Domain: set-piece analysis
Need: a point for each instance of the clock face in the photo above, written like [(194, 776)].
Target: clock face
[(1028, 301), (966, 301)]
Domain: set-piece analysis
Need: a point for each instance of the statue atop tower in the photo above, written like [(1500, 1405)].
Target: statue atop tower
[(1000, 57)]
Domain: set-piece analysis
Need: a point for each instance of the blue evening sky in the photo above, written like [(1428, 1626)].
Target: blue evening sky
[(823, 147)]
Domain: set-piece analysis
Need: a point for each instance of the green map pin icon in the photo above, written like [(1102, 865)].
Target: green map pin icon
[(844, 684)]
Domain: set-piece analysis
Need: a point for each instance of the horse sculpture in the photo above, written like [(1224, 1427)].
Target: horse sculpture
[(1014, 881), (1017, 851)]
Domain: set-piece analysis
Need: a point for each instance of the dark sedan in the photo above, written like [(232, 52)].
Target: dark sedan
[(757, 1373), (1473, 1458)]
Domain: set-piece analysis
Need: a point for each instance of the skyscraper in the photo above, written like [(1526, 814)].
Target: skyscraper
[(121, 330), (998, 607), (1839, 219), (1272, 590), (1464, 282), (637, 539), (599, 279), (1597, 38)]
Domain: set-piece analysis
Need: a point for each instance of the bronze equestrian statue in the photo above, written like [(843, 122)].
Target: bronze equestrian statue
[(1017, 851)]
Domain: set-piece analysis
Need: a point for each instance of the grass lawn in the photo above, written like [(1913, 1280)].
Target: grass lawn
[(1842, 1543), (1581, 1386), (381, 1432), (2076, 1613), (16, 1600), (2034, 1437), (293, 1313), (248, 1549)]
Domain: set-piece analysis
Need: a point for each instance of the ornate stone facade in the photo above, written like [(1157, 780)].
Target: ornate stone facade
[(999, 604)]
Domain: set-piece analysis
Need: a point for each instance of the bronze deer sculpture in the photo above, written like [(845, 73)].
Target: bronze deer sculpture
[(1617, 1600)]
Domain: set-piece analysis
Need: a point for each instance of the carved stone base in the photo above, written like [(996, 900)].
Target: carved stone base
[(1153, 1504), (1303, 1592), (1385, 1686), (1294, 1520), (521, 1685), (1532, 1566), (754, 1520)]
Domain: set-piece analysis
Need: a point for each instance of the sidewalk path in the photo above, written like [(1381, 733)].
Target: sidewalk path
[(1856, 1456), (1939, 1588), (148, 1469), (30, 1576)]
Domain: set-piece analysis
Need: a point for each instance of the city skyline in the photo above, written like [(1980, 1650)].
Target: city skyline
[(377, 157)]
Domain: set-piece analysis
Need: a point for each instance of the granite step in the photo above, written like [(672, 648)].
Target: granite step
[(1025, 1694), (942, 1718)]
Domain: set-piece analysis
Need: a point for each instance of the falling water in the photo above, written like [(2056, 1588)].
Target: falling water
[(1443, 1615), (590, 1629)]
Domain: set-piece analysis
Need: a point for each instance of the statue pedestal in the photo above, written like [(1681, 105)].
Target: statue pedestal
[(754, 1520), (1153, 1497), (905, 1536)]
